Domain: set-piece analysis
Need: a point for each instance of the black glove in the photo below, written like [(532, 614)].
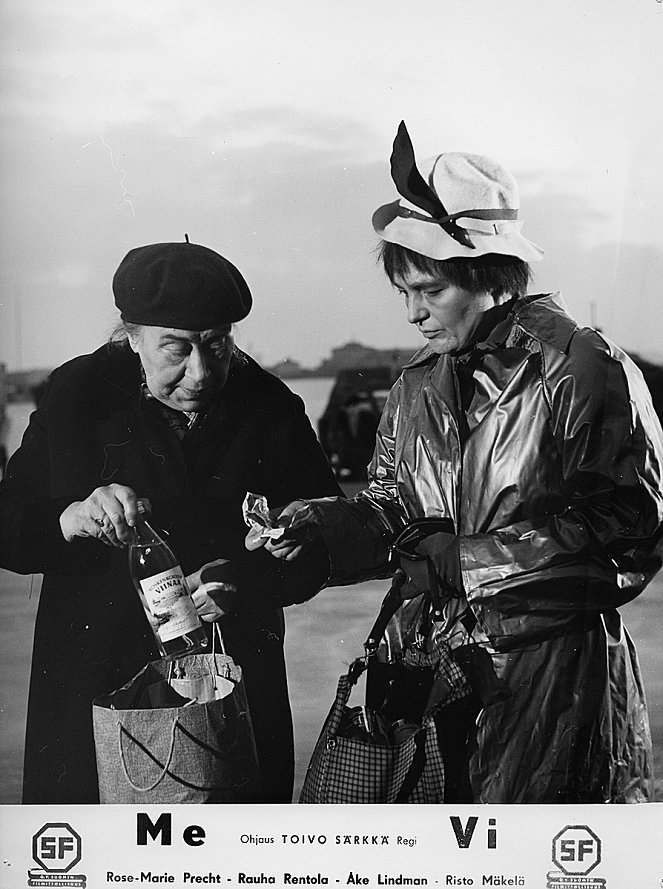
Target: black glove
[(428, 552), (443, 550)]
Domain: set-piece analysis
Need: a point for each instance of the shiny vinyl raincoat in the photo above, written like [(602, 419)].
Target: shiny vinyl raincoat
[(543, 447)]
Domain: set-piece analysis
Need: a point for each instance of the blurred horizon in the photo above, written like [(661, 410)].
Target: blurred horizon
[(264, 131), (328, 366)]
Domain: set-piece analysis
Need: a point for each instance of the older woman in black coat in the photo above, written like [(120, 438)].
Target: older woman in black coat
[(170, 411)]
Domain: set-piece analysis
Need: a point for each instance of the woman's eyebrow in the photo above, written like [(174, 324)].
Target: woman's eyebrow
[(173, 338), (420, 285), (218, 335)]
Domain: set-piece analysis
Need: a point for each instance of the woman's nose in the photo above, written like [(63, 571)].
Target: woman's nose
[(416, 310), (197, 367)]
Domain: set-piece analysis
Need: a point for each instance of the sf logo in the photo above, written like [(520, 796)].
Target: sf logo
[(576, 849), (56, 847)]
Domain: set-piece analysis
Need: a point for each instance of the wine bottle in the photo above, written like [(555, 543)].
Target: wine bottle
[(160, 583)]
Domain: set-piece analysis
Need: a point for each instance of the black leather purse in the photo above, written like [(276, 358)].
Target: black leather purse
[(393, 686)]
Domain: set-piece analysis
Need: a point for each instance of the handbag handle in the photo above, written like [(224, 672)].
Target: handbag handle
[(390, 605), (343, 690), (392, 602)]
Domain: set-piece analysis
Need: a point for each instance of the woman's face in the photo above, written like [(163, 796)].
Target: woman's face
[(446, 315), (184, 368)]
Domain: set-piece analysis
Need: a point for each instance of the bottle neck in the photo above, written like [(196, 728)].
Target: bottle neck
[(144, 532)]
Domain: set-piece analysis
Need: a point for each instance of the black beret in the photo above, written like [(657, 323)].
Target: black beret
[(180, 285)]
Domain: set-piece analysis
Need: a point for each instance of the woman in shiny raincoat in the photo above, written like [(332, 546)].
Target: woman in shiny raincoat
[(537, 438)]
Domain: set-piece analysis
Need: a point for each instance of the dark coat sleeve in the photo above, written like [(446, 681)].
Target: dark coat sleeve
[(292, 466), (91, 429), (31, 540)]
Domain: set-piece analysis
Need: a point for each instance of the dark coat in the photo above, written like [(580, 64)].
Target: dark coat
[(94, 428)]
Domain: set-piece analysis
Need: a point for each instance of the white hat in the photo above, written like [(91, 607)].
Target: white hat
[(460, 206)]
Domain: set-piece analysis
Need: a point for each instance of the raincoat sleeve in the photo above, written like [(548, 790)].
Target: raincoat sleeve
[(600, 544), (358, 531)]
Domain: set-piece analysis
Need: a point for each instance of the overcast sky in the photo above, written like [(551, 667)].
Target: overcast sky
[(263, 129)]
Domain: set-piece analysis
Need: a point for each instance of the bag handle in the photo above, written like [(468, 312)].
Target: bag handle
[(390, 605), (393, 601), (343, 690), (165, 769), (405, 543), (216, 634), (214, 670), (120, 730)]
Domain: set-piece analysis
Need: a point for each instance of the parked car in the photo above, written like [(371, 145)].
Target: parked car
[(348, 425)]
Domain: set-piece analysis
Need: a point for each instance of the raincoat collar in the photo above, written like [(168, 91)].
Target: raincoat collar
[(544, 316)]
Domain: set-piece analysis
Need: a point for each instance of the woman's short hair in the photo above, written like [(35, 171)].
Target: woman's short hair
[(492, 273), (122, 331)]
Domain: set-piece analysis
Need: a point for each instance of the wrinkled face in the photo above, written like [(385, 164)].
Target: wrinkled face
[(184, 368), (446, 315)]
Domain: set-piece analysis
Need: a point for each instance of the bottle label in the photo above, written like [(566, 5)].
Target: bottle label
[(170, 604)]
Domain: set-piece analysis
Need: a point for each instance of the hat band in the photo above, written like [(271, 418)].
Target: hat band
[(503, 214)]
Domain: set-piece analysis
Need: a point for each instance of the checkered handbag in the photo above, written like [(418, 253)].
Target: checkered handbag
[(348, 770), (395, 760)]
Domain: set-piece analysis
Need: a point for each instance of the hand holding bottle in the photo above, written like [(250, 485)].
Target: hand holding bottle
[(160, 583), (212, 600), (109, 514)]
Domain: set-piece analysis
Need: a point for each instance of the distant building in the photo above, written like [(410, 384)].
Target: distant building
[(288, 368), (348, 357), (353, 355)]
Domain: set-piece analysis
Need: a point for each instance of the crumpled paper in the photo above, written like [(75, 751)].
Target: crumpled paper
[(256, 515)]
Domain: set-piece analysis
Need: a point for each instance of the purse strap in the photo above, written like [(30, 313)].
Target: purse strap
[(390, 605), (393, 601)]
